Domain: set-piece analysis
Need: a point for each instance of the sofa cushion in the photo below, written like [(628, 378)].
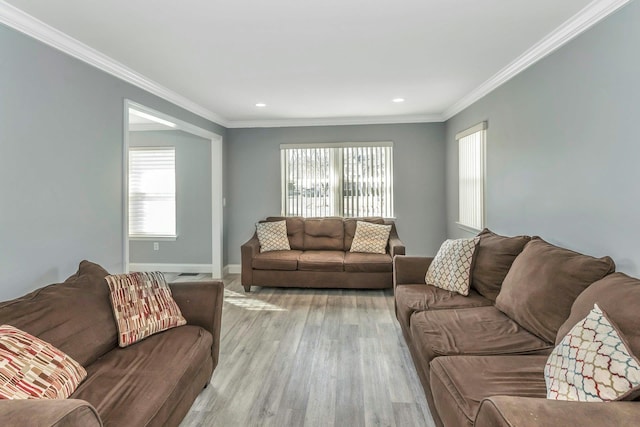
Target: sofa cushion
[(414, 298), (460, 384), (451, 267), (155, 372), (370, 238), (321, 261), (350, 228), (618, 295), (479, 331), (324, 234), (592, 363), (543, 283), (493, 258), (367, 263), (74, 316), (142, 306), (276, 260), (34, 369), (272, 236)]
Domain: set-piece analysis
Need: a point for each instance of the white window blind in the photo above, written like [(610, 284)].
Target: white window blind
[(152, 192), (349, 179), (471, 157)]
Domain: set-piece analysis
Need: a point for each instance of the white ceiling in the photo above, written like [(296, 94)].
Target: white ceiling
[(329, 61)]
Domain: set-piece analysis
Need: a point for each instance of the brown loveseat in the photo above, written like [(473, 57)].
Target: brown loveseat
[(151, 383), (480, 358), (320, 257)]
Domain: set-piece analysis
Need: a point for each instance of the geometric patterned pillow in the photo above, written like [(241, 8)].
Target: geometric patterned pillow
[(370, 238), (592, 363), (142, 305), (34, 369), (451, 267), (273, 236)]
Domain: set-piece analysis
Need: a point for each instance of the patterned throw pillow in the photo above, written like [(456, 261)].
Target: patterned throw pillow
[(273, 236), (592, 363), (142, 305), (33, 369), (370, 238), (451, 267)]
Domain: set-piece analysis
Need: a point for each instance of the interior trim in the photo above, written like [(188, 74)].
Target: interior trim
[(574, 26)]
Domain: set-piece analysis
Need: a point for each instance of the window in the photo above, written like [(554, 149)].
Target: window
[(471, 157), (152, 192), (348, 179)]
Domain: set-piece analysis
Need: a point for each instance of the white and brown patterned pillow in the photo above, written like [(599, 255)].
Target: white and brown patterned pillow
[(370, 238), (451, 267), (592, 363), (273, 236), (34, 369), (142, 305)]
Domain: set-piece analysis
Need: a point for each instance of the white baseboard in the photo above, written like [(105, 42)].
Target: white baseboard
[(232, 269), (172, 268)]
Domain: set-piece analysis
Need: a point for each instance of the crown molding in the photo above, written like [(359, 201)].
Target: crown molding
[(27, 24), (335, 121), (574, 26), (583, 20)]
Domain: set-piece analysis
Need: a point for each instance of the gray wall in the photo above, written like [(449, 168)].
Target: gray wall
[(253, 174), (61, 131), (193, 200), (562, 150)]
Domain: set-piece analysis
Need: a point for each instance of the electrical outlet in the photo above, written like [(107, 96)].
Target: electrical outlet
[(156, 246)]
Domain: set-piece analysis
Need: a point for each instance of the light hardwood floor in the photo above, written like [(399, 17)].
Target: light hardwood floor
[(304, 357)]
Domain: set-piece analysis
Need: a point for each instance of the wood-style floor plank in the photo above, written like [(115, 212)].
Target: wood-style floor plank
[(309, 357)]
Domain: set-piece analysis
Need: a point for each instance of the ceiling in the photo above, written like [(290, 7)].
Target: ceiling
[(330, 61)]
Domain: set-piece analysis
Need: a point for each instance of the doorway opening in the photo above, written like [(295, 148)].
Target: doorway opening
[(181, 248)]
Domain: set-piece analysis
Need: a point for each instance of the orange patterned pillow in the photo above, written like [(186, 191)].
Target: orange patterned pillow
[(142, 305), (33, 369)]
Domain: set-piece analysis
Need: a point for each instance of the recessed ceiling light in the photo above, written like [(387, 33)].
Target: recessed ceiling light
[(261, 105), (398, 100)]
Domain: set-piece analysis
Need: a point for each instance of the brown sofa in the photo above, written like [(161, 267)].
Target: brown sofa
[(320, 257), (151, 383), (479, 358)]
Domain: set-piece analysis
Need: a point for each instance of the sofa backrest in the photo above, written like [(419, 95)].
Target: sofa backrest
[(492, 261), (618, 295), (75, 316), (324, 234), (543, 283)]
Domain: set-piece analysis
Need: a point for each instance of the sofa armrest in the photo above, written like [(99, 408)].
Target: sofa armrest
[(201, 305), (409, 270), (247, 251), (396, 247), (528, 411), (48, 412)]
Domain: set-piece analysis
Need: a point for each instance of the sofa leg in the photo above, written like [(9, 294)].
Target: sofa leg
[(247, 288)]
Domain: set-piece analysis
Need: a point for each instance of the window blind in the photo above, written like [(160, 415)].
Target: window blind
[(152, 192), (471, 157), (338, 180)]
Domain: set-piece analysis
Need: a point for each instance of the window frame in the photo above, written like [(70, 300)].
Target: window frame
[(337, 168), (153, 236), (477, 203)]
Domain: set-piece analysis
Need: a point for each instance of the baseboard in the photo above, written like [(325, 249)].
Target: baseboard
[(172, 268), (232, 269)]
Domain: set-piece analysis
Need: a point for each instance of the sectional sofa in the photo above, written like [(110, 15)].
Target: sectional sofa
[(150, 383), (481, 358)]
